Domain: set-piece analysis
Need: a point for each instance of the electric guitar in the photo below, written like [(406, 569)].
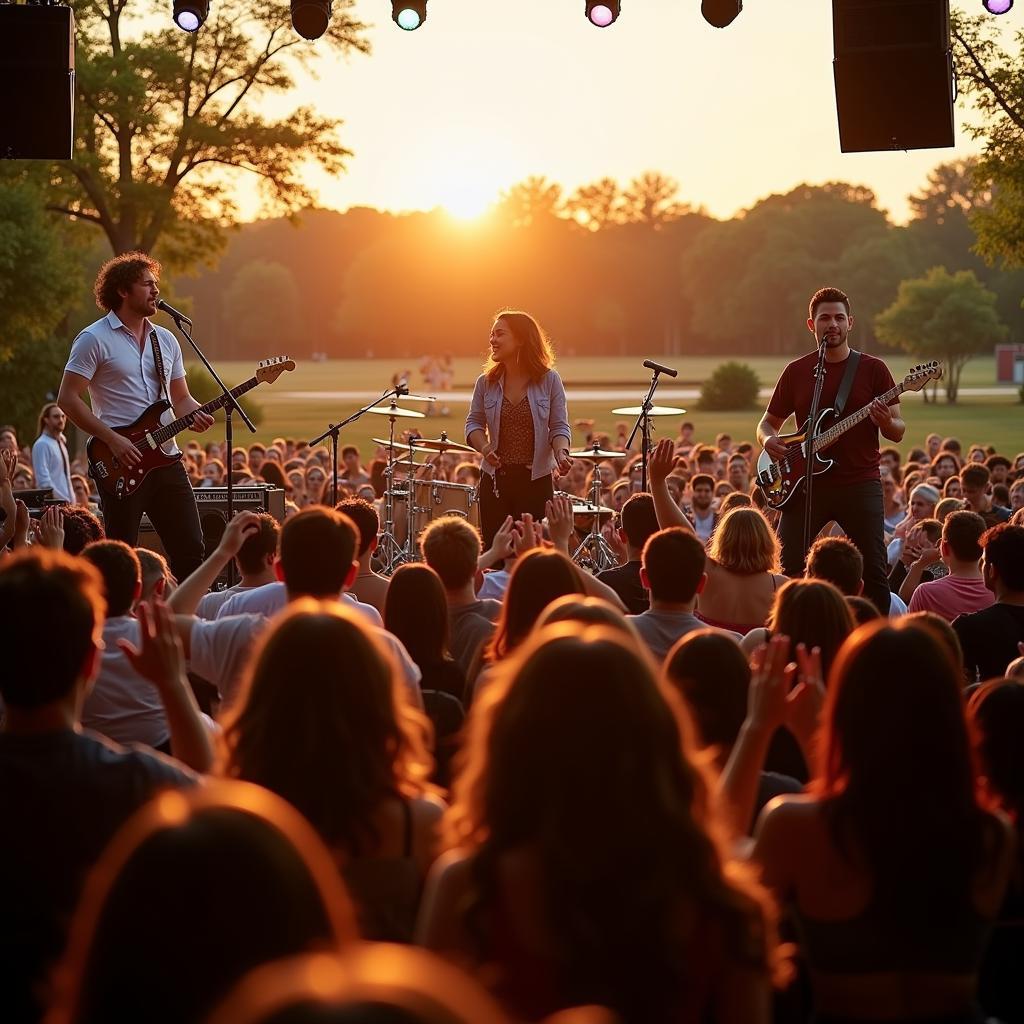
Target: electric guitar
[(147, 433), (780, 479)]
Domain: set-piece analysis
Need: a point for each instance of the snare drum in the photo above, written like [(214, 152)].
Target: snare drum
[(434, 499)]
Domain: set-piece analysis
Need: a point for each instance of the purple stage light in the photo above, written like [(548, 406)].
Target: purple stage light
[(601, 15), (997, 6)]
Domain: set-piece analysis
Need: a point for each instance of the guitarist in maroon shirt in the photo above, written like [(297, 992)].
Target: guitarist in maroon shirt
[(851, 491)]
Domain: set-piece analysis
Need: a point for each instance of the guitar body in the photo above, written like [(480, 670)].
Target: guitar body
[(780, 479), (112, 476)]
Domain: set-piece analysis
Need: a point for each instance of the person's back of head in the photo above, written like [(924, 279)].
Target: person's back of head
[(996, 710), (451, 547), (838, 561), (813, 613), (961, 533), (416, 611), (863, 610), (318, 549), (1003, 546), (122, 575), (591, 611), (947, 506), (672, 565), (639, 520), (277, 894), (745, 543), (259, 549), (81, 527), (53, 606), (711, 673), (157, 578), (364, 515)]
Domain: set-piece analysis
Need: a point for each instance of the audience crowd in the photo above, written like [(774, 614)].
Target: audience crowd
[(496, 786)]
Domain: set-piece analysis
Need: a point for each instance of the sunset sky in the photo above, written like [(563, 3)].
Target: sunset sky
[(488, 92)]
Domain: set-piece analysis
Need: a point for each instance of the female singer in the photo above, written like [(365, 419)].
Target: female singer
[(518, 422)]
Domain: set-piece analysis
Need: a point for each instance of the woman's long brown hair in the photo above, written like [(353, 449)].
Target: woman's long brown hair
[(535, 354)]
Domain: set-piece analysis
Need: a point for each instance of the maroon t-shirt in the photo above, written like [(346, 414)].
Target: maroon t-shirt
[(856, 451)]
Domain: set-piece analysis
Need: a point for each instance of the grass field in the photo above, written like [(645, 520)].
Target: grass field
[(996, 420)]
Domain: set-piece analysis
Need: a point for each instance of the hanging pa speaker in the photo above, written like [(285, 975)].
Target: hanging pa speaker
[(893, 74), (37, 82)]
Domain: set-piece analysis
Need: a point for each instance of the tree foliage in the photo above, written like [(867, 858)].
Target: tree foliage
[(168, 122), (262, 304), (733, 385), (991, 73), (949, 317)]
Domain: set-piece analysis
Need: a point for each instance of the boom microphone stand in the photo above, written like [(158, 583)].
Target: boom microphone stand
[(230, 404), (812, 426), (643, 421)]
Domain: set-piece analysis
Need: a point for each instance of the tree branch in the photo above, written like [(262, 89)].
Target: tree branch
[(996, 92)]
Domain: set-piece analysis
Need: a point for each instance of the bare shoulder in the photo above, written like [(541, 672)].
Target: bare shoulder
[(449, 881), (789, 813)]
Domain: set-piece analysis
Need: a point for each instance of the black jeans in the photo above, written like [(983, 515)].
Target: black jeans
[(857, 508), (516, 495), (166, 497)]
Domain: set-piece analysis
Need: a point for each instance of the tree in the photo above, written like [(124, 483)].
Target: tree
[(949, 317), (651, 199), (952, 188), (597, 205), (40, 278), (992, 75), (167, 120), (261, 312), (532, 201), (732, 386)]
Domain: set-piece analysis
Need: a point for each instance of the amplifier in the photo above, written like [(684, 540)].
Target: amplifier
[(212, 503)]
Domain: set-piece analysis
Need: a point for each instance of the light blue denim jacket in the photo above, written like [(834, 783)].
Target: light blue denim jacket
[(550, 417)]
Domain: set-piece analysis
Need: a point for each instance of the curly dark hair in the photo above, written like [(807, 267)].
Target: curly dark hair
[(121, 272), (827, 295)]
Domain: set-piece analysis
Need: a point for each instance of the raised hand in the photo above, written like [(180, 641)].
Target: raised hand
[(662, 460), (526, 535), (560, 521), (770, 682), (159, 656), (51, 528), (807, 698), (241, 527)]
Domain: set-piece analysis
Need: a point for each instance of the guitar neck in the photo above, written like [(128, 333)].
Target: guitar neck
[(166, 432), (826, 437)]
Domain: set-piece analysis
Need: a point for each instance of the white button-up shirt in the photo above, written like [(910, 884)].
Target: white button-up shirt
[(123, 381), (51, 467)]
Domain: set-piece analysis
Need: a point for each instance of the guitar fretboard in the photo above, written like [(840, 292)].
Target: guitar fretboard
[(166, 432), (826, 437)]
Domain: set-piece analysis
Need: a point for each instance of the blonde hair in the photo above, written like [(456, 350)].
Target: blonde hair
[(744, 542)]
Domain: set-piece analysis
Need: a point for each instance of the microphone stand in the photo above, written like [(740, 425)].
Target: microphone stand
[(643, 424), (812, 426), (334, 429), (185, 327)]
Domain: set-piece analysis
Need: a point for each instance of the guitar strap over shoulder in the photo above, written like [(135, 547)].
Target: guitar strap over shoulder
[(846, 383), (158, 360)]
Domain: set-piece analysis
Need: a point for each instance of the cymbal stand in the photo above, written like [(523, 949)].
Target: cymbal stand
[(594, 552), (391, 553)]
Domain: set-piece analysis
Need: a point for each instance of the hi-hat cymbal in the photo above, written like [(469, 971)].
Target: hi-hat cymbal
[(396, 410), (419, 398), (586, 509), (655, 410), (441, 444), (597, 453), (399, 447)]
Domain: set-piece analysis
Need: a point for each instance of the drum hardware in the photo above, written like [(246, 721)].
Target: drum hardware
[(594, 552)]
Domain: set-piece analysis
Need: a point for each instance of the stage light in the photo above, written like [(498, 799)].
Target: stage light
[(997, 6), (602, 12), (190, 14), (720, 13), (310, 18), (409, 14)]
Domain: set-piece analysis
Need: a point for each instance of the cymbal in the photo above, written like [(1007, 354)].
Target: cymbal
[(442, 444), (400, 447), (419, 398), (586, 509), (655, 410), (396, 410), (597, 453)]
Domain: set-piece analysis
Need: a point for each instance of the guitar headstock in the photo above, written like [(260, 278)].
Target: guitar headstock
[(921, 374), (269, 370)]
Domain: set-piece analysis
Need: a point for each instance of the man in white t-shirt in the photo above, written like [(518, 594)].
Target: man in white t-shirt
[(317, 559), (127, 364), (255, 561), (50, 461)]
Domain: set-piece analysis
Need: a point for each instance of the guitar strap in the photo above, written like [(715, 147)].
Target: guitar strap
[(846, 383), (158, 360)]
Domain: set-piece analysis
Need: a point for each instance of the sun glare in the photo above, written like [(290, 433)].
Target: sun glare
[(466, 200)]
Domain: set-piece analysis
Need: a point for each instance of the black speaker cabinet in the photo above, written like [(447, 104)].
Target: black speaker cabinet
[(37, 82), (893, 74)]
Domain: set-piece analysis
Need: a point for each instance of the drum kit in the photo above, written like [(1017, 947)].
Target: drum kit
[(416, 502)]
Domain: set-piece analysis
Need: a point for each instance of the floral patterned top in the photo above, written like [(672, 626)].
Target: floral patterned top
[(515, 444)]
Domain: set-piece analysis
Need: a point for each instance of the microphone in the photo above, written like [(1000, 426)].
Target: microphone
[(658, 368), (401, 388), (167, 308)]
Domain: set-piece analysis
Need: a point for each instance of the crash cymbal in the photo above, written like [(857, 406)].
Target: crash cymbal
[(396, 410), (419, 398), (586, 509), (655, 410), (597, 453), (443, 444)]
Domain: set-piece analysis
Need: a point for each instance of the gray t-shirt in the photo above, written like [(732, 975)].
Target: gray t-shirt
[(661, 630)]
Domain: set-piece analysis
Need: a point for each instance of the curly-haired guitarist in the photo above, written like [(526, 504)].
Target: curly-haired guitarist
[(851, 491), (127, 363)]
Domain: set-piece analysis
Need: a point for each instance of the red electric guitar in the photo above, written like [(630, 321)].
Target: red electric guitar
[(780, 479), (147, 433)]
